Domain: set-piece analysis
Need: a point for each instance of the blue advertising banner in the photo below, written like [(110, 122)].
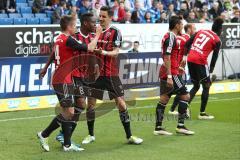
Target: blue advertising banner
[(19, 75)]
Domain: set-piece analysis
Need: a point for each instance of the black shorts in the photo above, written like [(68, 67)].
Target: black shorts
[(111, 84), (65, 94), (179, 87), (199, 73), (81, 87)]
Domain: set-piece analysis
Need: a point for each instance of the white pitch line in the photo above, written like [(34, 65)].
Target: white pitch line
[(46, 116)]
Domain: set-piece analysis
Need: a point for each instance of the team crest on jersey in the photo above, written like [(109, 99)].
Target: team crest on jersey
[(108, 34)]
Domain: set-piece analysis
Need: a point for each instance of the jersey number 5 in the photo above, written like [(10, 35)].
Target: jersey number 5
[(201, 41)]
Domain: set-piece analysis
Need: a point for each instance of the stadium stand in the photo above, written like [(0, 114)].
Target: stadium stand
[(32, 20), (19, 21), (6, 21), (28, 15), (45, 20)]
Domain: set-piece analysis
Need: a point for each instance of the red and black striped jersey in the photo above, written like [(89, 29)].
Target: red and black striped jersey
[(82, 57), (172, 48), (181, 40), (109, 39), (64, 49)]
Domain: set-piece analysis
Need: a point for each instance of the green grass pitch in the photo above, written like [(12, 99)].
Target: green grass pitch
[(217, 139)]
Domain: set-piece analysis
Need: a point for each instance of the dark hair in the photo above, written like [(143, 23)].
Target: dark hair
[(85, 17), (136, 42), (62, 3), (108, 10), (174, 20), (217, 25), (65, 21), (187, 26), (134, 17)]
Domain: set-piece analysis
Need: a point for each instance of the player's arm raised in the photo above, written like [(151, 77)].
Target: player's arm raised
[(215, 56), (77, 45)]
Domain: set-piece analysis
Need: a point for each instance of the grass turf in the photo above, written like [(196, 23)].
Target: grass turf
[(216, 139)]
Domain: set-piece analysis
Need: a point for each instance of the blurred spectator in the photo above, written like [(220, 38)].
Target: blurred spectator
[(7, 6), (204, 17), (237, 4), (38, 6), (135, 47), (129, 5), (155, 10), (215, 11), (225, 16), (145, 4), (86, 7), (96, 10), (170, 11), (118, 11), (236, 18), (127, 18), (137, 8), (135, 17), (79, 4), (100, 2), (192, 18), (163, 18), (147, 18), (184, 9), (59, 12)]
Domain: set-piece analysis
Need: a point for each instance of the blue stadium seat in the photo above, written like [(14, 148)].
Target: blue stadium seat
[(30, 3), (45, 20), (3, 15), (49, 13), (41, 15), (6, 21), (20, 21), (33, 21), (26, 10), (28, 15), (22, 5), (14, 15), (21, 1)]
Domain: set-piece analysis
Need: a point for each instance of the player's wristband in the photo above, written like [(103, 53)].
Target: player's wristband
[(104, 52), (184, 57), (169, 76), (96, 65)]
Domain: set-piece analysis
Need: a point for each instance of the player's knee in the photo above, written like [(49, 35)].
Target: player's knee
[(120, 102), (164, 99), (196, 86), (206, 86), (185, 97), (80, 102)]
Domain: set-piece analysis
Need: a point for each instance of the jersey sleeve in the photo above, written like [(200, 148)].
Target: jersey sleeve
[(170, 43), (188, 44), (76, 45), (117, 39)]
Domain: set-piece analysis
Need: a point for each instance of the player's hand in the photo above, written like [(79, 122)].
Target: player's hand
[(181, 70), (98, 30), (170, 82), (96, 72), (183, 62), (42, 73), (98, 51)]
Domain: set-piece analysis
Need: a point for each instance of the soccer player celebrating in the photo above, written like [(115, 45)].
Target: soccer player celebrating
[(108, 45), (82, 75), (189, 29), (64, 48), (171, 81), (199, 46)]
